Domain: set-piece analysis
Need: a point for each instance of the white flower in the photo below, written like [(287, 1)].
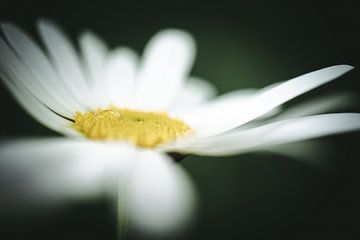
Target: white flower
[(121, 116)]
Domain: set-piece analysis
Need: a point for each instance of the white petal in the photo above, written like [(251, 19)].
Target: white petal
[(121, 69), (66, 61), (94, 52), (32, 70), (40, 112), (160, 195), (33, 58), (16, 78), (312, 152), (166, 63), (218, 112), (276, 133), (196, 92), (318, 105), (55, 169), (223, 120), (323, 104)]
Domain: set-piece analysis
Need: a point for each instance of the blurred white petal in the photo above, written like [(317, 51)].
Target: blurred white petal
[(314, 152), (286, 131), (318, 105), (166, 63), (217, 112), (160, 194), (323, 104), (121, 67), (94, 52), (195, 92), (27, 66), (66, 61), (16, 79), (40, 112), (234, 115), (55, 169)]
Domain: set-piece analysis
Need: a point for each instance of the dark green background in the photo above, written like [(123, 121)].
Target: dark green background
[(240, 44)]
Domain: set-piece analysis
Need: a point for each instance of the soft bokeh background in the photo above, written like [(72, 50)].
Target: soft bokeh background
[(240, 44)]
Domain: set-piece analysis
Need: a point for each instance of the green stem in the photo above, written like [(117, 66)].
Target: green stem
[(121, 211)]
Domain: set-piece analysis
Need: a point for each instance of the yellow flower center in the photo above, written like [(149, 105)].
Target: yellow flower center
[(145, 129)]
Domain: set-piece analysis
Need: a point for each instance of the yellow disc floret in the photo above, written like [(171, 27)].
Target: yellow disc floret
[(145, 129)]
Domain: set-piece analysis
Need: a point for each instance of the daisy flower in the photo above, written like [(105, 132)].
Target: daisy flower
[(124, 119)]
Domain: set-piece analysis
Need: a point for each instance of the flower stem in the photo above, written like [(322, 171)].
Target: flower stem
[(122, 219)]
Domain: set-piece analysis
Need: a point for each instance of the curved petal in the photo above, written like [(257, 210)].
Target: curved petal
[(160, 196), (217, 112), (66, 61), (55, 169), (195, 92), (20, 83), (318, 105), (225, 117), (166, 63), (121, 67), (33, 70), (315, 153), (324, 104), (94, 52), (39, 111), (286, 131)]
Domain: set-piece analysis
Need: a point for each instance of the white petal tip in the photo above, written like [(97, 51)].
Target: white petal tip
[(44, 20), (343, 68), (45, 23), (173, 34)]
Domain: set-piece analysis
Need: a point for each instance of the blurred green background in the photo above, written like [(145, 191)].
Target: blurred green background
[(240, 44)]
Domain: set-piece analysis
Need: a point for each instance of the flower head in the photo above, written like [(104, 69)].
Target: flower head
[(121, 116)]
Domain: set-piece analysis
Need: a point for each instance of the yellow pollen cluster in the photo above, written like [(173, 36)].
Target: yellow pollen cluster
[(145, 129)]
